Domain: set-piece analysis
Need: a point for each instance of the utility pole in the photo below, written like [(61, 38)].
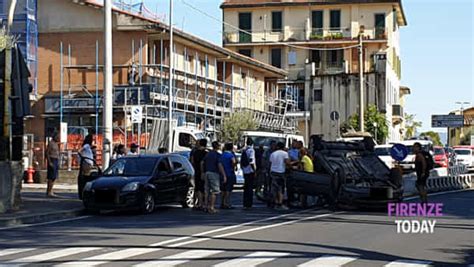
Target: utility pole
[(7, 83), (108, 83), (361, 81), (170, 88)]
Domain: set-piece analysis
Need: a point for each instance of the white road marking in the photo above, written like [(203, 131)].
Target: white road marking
[(252, 259), (44, 223), (111, 256), (53, 255), (11, 251), (328, 261), (253, 229), (180, 258), (408, 263), (162, 243)]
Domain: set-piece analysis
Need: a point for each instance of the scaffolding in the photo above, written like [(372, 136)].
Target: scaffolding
[(25, 27)]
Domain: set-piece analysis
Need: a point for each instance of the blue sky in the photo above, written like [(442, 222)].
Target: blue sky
[(437, 49)]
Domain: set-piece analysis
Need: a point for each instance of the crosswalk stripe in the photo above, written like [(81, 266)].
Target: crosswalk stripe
[(329, 261), (11, 251), (111, 256), (252, 259), (408, 263), (180, 258), (53, 255)]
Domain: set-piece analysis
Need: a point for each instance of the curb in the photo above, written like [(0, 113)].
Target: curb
[(40, 218)]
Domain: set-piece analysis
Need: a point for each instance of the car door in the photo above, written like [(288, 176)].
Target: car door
[(181, 176), (164, 181)]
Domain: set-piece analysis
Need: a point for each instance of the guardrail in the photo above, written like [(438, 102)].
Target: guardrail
[(439, 184)]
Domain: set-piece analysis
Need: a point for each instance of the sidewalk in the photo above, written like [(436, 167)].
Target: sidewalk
[(37, 208)]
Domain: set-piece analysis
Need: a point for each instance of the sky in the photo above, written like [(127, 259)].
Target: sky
[(437, 49)]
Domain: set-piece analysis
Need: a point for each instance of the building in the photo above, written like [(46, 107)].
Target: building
[(320, 39), (209, 81), (464, 135)]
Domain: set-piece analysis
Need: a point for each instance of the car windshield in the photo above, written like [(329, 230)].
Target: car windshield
[(265, 141), (462, 151), (439, 151), (382, 151), (132, 167)]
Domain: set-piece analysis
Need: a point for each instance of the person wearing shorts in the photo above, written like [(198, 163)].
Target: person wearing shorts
[(52, 155), (213, 169), (229, 162), (279, 160)]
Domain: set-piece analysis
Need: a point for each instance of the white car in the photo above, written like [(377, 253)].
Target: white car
[(465, 156), (383, 152), (408, 164)]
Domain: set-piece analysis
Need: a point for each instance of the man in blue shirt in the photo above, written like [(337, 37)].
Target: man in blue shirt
[(213, 167), (229, 162)]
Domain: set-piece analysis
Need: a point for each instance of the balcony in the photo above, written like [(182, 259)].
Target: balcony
[(302, 35)]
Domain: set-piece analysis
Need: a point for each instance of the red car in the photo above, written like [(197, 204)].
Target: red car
[(440, 158)]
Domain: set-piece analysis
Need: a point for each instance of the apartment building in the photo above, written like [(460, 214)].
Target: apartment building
[(323, 35)]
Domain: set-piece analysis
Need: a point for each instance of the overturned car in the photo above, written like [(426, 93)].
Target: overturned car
[(347, 174)]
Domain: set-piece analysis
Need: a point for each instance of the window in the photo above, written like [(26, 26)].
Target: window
[(334, 58), (164, 166), (395, 17), (318, 95), (246, 52), (380, 26), (132, 167), (335, 20), (276, 57), (177, 165), (277, 24), (316, 57), (245, 23), (292, 58), (317, 22), (186, 140)]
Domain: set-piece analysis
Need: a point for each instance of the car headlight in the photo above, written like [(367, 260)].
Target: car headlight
[(88, 186), (130, 187)]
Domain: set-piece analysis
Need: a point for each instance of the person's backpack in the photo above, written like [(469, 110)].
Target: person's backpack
[(429, 160), (244, 159)]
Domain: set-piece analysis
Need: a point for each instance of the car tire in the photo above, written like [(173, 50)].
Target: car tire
[(148, 203), (188, 200)]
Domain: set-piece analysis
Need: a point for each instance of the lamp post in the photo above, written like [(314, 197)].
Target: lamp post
[(108, 91)]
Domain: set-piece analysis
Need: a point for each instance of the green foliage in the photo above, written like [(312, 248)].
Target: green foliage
[(375, 123), (235, 123), (466, 139), (411, 125), (434, 137)]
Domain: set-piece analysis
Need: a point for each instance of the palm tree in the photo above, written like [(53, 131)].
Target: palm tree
[(411, 125)]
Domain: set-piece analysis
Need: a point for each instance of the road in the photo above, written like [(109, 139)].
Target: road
[(314, 237)]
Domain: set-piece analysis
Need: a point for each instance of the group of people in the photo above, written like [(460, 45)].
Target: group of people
[(215, 172)]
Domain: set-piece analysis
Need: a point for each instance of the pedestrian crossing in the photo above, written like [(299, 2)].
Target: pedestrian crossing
[(146, 256)]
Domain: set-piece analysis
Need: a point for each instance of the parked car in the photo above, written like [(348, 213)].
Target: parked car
[(347, 173), (383, 152), (440, 158), (142, 182), (465, 156)]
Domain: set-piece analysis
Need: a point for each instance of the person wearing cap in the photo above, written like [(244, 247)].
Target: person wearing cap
[(133, 150)]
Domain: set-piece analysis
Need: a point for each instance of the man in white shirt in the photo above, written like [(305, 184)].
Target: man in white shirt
[(249, 169), (279, 160)]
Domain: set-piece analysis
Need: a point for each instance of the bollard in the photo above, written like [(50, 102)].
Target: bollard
[(30, 174)]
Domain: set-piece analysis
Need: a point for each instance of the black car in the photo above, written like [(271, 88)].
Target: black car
[(347, 174), (142, 182)]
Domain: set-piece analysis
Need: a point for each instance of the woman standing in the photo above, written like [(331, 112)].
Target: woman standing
[(86, 163)]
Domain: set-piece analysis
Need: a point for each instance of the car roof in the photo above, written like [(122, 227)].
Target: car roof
[(143, 156), (412, 142), (384, 146)]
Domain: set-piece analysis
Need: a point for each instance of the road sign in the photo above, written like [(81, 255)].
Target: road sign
[(334, 115), (137, 114), (447, 121), (399, 152)]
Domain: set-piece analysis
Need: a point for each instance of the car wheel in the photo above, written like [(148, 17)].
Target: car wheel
[(148, 203), (188, 201)]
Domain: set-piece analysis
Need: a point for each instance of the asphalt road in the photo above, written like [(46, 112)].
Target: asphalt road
[(315, 237)]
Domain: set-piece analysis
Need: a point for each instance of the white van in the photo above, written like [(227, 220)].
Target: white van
[(265, 138), (408, 164)]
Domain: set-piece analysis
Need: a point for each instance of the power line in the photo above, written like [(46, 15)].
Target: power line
[(263, 39)]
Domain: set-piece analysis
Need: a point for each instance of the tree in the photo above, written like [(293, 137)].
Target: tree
[(375, 123), (434, 137), (411, 125), (235, 123), (466, 139)]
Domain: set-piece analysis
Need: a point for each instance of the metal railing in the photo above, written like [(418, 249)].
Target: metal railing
[(301, 34)]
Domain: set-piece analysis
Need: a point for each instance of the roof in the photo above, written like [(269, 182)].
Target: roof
[(269, 3), (199, 41), (405, 90)]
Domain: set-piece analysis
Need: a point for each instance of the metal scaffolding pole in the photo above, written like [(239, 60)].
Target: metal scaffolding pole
[(170, 89)]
